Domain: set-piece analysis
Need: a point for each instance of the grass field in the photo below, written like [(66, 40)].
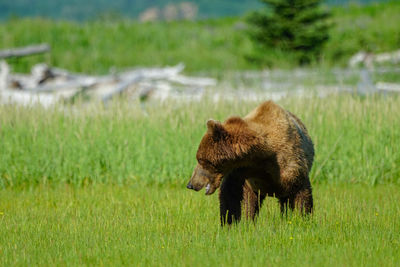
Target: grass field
[(93, 185), (353, 225), (87, 184)]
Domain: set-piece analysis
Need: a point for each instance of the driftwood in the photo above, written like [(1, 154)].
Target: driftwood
[(121, 87), (48, 85), (24, 51), (389, 87), (369, 59)]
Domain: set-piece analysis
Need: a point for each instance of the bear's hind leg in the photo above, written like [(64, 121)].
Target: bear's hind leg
[(230, 197)]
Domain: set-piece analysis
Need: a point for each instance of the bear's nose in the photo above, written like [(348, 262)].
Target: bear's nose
[(189, 185)]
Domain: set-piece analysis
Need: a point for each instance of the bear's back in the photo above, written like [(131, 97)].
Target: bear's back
[(282, 130), (268, 119)]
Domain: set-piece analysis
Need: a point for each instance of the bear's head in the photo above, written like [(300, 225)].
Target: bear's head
[(221, 150)]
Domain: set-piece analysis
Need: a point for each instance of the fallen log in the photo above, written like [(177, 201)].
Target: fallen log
[(4, 73), (26, 98), (389, 87), (24, 51), (132, 77), (121, 87), (192, 81), (368, 59)]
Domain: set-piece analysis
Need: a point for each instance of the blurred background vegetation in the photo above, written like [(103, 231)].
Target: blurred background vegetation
[(89, 9), (97, 37)]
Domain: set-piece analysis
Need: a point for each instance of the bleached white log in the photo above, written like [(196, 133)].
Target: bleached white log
[(121, 87), (386, 57), (4, 73), (357, 58), (152, 73), (192, 81), (132, 77), (25, 51), (27, 98), (392, 87), (82, 83), (368, 58)]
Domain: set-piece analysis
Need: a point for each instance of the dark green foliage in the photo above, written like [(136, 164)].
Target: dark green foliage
[(297, 26)]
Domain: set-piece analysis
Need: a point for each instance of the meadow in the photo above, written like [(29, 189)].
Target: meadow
[(88, 184), (105, 185), (353, 225)]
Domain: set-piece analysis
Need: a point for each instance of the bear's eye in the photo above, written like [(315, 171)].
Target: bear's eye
[(204, 162), (207, 164), (201, 162)]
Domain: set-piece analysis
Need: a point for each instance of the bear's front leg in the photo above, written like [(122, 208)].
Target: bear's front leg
[(230, 198), (303, 200), (252, 201)]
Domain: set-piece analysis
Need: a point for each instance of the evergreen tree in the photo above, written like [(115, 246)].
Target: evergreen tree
[(291, 25)]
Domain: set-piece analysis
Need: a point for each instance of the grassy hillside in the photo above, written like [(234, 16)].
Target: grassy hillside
[(218, 44)]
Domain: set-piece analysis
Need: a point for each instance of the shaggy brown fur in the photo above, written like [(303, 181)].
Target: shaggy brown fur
[(267, 153)]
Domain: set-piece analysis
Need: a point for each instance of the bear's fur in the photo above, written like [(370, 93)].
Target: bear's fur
[(267, 153)]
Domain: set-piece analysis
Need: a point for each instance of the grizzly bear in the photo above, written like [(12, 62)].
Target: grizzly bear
[(267, 153)]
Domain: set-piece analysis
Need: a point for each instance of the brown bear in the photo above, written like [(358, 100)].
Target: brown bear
[(267, 153)]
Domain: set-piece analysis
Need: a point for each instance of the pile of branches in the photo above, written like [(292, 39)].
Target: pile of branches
[(48, 85)]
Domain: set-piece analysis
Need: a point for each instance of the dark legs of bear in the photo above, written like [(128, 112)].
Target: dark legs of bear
[(233, 194), (230, 198), (284, 202), (301, 200)]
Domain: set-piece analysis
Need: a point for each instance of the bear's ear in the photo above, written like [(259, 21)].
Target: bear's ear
[(216, 129)]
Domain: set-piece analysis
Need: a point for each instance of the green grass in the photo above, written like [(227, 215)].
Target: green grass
[(371, 28), (97, 46), (207, 45), (353, 225), (355, 138)]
